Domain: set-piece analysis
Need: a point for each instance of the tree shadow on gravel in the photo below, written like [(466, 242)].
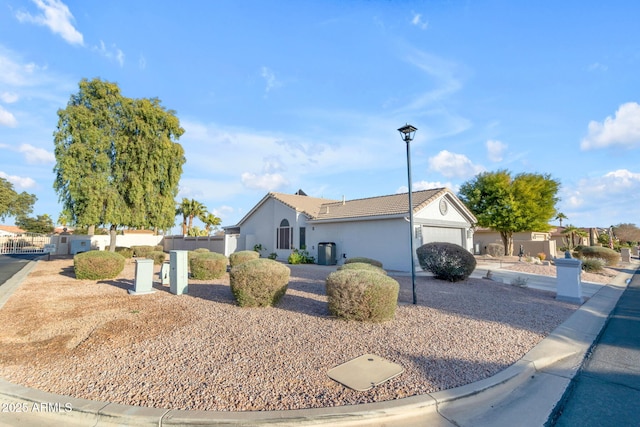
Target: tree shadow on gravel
[(211, 292), (124, 284)]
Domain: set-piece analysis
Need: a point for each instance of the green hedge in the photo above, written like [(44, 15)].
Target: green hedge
[(447, 261), (238, 258), (98, 265), (124, 251), (208, 265), (259, 283), (158, 257), (141, 251), (356, 294)]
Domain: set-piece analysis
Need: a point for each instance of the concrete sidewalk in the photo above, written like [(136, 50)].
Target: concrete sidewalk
[(525, 394)]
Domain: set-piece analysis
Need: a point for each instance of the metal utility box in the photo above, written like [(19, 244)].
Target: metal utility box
[(178, 272), (144, 277), (327, 253), (80, 245)]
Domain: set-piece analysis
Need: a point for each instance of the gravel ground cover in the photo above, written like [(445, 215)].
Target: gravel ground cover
[(92, 340)]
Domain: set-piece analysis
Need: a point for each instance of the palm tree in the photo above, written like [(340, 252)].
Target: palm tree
[(209, 221), (183, 209), (573, 234), (560, 217)]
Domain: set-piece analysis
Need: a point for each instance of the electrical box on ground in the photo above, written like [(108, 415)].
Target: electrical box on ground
[(178, 272), (327, 253)]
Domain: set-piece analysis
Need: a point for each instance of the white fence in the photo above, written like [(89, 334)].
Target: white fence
[(27, 243)]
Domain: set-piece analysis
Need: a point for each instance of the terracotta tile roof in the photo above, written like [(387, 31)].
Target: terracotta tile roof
[(394, 204), (12, 229), (324, 209), (309, 205)]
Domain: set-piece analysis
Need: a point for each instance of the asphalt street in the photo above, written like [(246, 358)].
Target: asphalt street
[(11, 264)]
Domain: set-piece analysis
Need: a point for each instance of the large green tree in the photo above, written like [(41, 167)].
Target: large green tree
[(42, 224), (506, 204), (13, 203), (118, 162)]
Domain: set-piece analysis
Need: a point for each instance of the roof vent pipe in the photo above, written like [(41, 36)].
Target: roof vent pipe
[(343, 200)]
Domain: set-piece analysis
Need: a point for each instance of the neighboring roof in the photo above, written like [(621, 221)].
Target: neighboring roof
[(11, 229), (394, 204)]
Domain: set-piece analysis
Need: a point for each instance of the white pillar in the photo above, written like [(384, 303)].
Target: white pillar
[(569, 284)]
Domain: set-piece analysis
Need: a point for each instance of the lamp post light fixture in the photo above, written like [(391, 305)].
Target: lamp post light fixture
[(407, 132)]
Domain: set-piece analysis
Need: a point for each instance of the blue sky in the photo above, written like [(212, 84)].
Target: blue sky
[(282, 95)]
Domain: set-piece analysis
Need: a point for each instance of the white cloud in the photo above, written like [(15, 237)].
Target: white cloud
[(112, 53), (419, 22), (35, 155), (9, 97), (454, 165), (57, 17), (15, 74), (7, 118), (266, 181), (19, 182), (495, 150), (621, 130), (270, 79)]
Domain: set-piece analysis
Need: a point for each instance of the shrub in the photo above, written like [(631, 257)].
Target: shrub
[(362, 266), (364, 260), (259, 283), (201, 250), (593, 265), (273, 255), (447, 261), (495, 249), (541, 256), (300, 256), (158, 257), (158, 248), (142, 251), (125, 252), (363, 295), (238, 258), (207, 265), (610, 256), (97, 265)]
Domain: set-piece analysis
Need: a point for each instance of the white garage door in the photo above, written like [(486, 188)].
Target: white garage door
[(441, 234)]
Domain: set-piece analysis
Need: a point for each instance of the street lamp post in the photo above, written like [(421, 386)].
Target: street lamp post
[(407, 132)]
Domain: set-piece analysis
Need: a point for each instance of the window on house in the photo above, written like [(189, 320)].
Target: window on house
[(284, 235), (303, 238)]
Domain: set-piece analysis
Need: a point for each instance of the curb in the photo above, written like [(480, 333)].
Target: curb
[(568, 343)]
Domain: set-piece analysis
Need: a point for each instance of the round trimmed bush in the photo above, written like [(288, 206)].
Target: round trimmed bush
[(98, 265), (124, 251), (201, 250), (208, 265), (364, 260), (239, 257), (158, 257), (362, 295), (447, 261), (362, 266), (141, 251), (259, 282), (610, 256)]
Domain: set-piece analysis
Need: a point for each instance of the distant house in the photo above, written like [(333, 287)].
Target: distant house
[(10, 230), (375, 227), (533, 242)]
